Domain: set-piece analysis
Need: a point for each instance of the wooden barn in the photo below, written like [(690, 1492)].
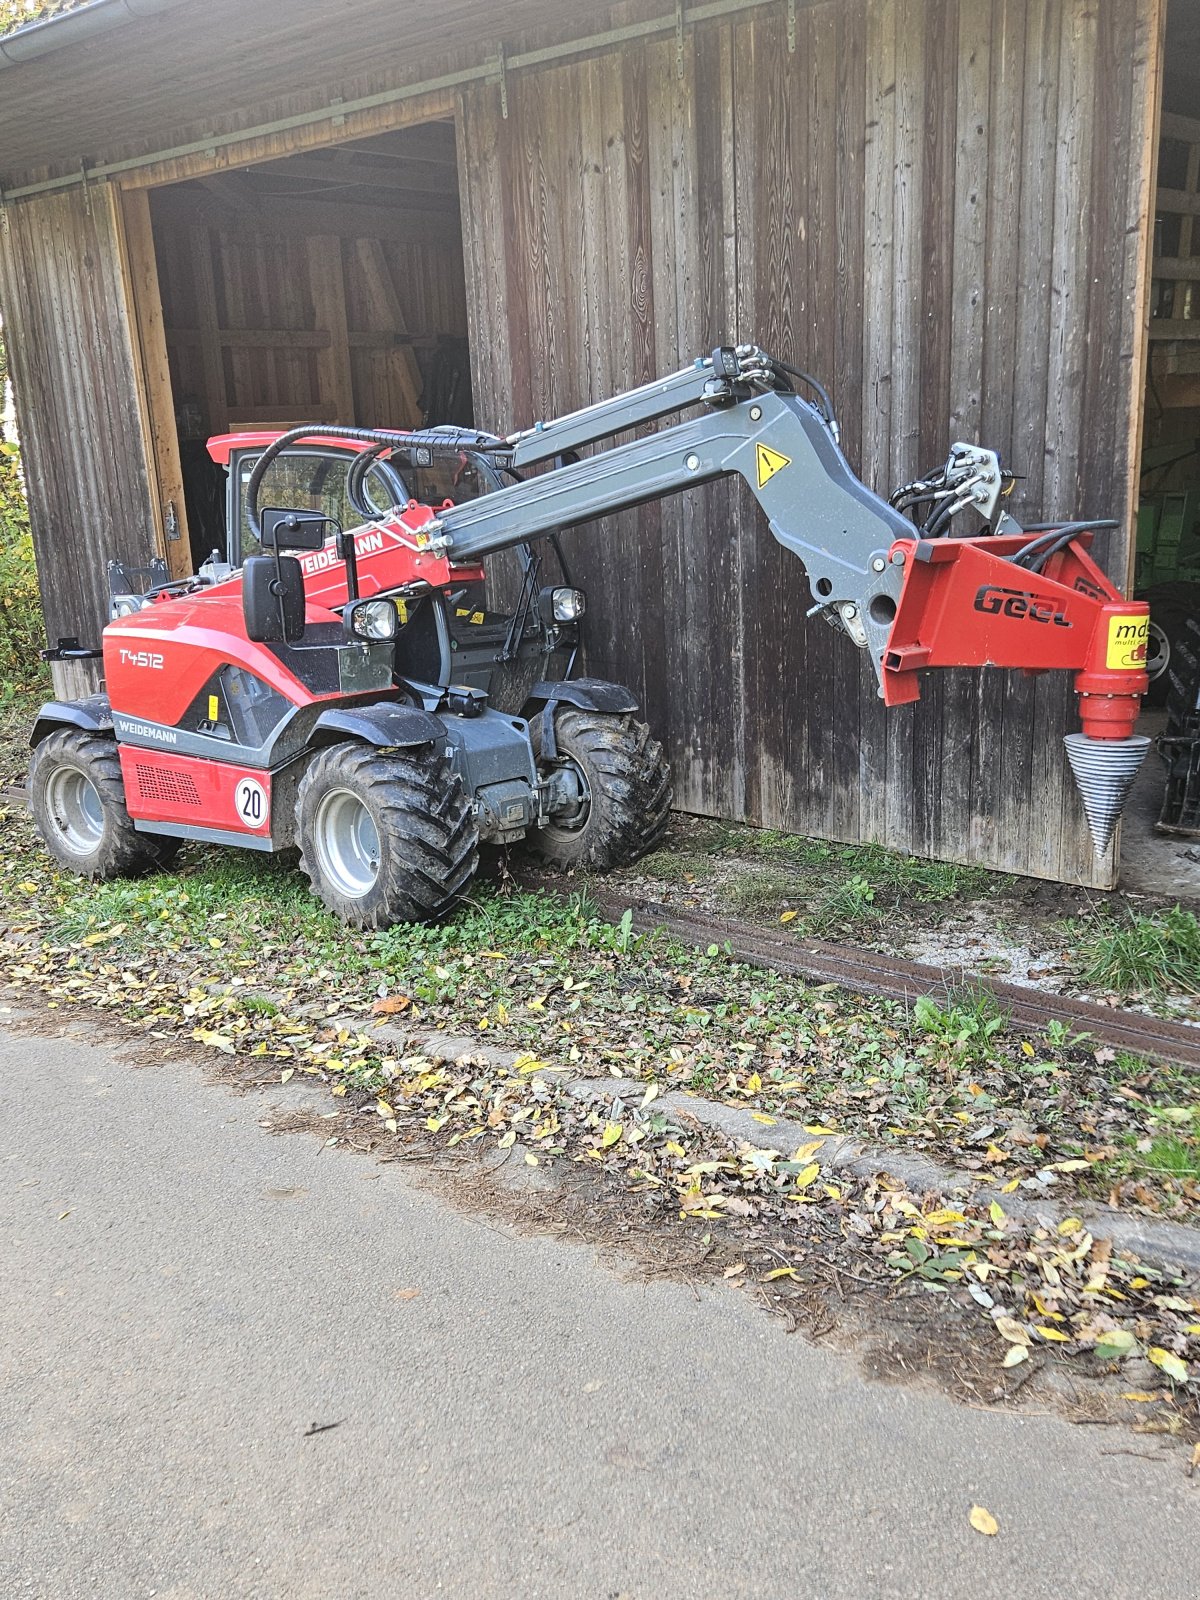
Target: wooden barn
[(228, 216)]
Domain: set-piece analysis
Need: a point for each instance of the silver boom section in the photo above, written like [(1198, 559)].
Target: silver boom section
[(816, 507)]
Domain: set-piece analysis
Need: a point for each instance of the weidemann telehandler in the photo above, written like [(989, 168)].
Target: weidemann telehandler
[(313, 702)]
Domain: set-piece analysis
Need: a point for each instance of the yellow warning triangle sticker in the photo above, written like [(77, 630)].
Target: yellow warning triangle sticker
[(769, 463)]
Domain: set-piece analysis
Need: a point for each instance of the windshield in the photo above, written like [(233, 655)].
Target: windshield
[(315, 480)]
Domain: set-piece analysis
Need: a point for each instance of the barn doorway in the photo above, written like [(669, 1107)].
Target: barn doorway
[(1167, 563), (326, 286)]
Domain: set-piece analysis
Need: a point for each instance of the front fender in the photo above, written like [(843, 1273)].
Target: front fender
[(586, 694), (93, 714), (387, 725)]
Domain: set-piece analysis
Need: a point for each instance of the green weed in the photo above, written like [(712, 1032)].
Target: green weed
[(965, 1026), (1153, 955)]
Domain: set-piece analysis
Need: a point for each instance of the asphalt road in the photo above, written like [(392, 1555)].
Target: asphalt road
[(183, 1294)]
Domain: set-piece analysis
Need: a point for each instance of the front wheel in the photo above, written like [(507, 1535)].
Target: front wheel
[(77, 797), (385, 838), (616, 787)]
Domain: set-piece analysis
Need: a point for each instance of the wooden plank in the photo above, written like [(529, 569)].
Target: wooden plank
[(152, 372), (327, 285), (372, 263)]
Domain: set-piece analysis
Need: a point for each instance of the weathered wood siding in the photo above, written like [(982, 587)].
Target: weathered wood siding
[(935, 205), (77, 400)]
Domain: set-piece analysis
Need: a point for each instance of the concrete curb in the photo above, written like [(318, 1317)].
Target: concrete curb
[(1171, 1244)]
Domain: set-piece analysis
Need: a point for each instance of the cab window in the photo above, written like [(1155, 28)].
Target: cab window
[(308, 480)]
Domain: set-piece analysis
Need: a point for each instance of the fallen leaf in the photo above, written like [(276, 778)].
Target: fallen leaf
[(611, 1134), (1014, 1355), (1115, 1345), (1009, 1328), (789, 916), (807, 1151), (803, 1179), (1052, 1333), (761, 1116), (983, 1521), (390, 1004), (734, 1270), (1170, 1364), (780, 1272), (405, 1294), (289, 1072)]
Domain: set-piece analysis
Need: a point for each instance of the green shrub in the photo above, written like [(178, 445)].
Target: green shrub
[(1157, 954), (22, 631)]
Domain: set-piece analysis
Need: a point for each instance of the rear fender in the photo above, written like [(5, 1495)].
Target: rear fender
[(388, 726), (93, 715)]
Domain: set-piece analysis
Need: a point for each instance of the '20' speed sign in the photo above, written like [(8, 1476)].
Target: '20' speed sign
[(250, 802)]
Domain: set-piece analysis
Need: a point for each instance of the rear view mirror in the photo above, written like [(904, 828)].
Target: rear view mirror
[(273, 599), (293, 530)]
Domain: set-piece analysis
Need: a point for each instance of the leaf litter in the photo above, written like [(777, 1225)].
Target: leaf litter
[(572, 994)]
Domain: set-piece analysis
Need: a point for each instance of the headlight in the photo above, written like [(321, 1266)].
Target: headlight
[(373, 619), (568, 605)]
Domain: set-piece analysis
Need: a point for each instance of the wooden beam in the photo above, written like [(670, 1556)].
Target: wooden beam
[(328, 286), (227, 186), (1171, 328), (268, 416), (389, 173), (253, 338), (1177, 268), (1178, 201), (1177, 127), (377, 275), (152, 376), (216, 401), (311, 215)]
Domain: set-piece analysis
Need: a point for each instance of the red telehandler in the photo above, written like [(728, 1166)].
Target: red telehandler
[(316, 701)]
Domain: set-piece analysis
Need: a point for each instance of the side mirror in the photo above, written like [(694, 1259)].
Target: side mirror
[(293, 530), (273, 599)]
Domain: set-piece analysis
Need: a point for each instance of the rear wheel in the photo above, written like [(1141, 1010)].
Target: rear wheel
[(1171, 606), (615, 786), (77, 797), (385, 838)]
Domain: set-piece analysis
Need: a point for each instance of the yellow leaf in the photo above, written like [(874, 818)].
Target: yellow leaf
[(815, 1127), (803, 1179), (530, 1159), (1014, 1355), (753, 1083), (27, 887), (1052, 1333), (1139, 1395), (508, 1139), (611, 1135), (1026, 1048), (807, 1151), (789, 916), (832, 1190), (673, 1148), (780, 1272), (216, 943), (983, 1521), (997, 1213), (761, 1116), (217, 1041), (384, 1109), (1009, 1328), (1070, 1225), (1170, 1364), (1009, 1187), (942, 1219), (286, 1074), (493, 955), (652, 1092)]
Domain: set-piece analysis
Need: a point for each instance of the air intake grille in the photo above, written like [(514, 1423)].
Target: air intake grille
[(167, 784)]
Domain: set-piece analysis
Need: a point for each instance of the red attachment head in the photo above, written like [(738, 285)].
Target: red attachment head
[(1112, 681)]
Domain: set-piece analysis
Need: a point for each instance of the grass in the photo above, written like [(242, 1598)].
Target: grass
[(1152, 955)]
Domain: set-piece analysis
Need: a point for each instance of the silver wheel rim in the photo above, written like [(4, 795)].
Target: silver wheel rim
[(1158, 652), (347, 842), (75, 810)]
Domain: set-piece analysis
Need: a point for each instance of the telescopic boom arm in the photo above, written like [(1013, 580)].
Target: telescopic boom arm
[(912, 597)]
